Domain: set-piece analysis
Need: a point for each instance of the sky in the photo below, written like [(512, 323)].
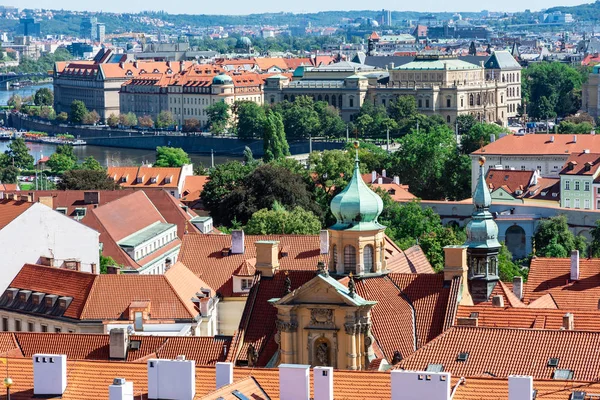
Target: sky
[(241, 7)]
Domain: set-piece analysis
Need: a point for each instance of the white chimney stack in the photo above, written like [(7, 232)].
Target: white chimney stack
[(492, 138), (380, 180), (574, 138), (373, 176), (237, 242), (324, 239), (520, 387), (568, 322), (294, 382), (518, 287), (552, 139), (224, 375), (323, 383), (419, 385), (120, 390), (397, 180), (575, 265), (171, 379), (49, 374), (384, 173)]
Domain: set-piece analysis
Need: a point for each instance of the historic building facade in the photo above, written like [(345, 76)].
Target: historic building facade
[(442, 85)]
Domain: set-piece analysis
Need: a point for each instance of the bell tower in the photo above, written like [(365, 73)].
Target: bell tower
[(357, 240), (482, 242)]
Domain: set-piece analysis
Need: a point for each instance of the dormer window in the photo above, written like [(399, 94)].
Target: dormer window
[(168, 179), (139, 179), (124, 178), (154, 179)]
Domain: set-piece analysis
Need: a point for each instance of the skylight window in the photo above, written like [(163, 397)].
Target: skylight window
[(462, 357), (553, 362), (563, 374)]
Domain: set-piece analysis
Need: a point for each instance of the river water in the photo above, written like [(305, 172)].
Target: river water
[(107, 156)]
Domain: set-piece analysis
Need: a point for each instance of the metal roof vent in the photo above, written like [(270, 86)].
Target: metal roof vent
[(553, 362), (462, 357)]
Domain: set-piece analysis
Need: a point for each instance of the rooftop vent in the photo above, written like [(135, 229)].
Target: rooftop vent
[(553, 362), (462, 357), (435, 368)]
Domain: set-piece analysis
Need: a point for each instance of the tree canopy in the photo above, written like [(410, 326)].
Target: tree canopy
[(78, 112), (553, 238), (250, 119), (17, 155), (171, 157), (43, 97), (275, 144), (279, 221), (85, 179), (218, 117)]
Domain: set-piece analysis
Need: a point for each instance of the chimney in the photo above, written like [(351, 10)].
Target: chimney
[(384, 173), (392, 65), (91, 197), (294, 382), (418, 385), (520, 387), (575, 265), (237, 242), (380, 180), (49, 374), (492, 138), (323, 383), (373, 176), (397, 180), (552, 139), (574, 138), (113, 269), (267, 256), (518, 287), (324, 239), (118, 343), (455, 265), (94, 268), (47, 201), (120, 390), (224, 374), (181, 66), (171, 379), (498, 301), (568, 322)]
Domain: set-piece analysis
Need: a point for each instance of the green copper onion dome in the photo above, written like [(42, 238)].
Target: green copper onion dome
[(482, 231), (357, 206), (222, 79)]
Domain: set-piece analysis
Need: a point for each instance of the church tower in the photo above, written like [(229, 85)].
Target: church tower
[(482, 242), (357, 240)]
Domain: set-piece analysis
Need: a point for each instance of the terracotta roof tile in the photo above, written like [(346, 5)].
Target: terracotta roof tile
[(10, 209), (146, 174), (512, 180), (552, 275), (546, 301), (582, 164), (247, 386), (246, 268), (504, 351), (541, 144), (203, 350)]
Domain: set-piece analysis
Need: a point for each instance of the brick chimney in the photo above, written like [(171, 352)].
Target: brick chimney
[(455, 264), (267, 256), (568, 322), (518, 287), (498, 301), (118, 343)]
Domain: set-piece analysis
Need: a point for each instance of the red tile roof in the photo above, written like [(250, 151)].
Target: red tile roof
[(10, 209), (552, 275), (511, 180), (247, 386), (504, 351), (172, 211), (541, 144), (203, 350), (131, 174), (582, 164)]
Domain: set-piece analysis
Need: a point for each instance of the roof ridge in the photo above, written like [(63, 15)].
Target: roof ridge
[(166, 278), (414, 313), (85, 302)]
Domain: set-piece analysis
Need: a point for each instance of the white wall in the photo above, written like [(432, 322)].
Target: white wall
[(41, 231), (229, 313)]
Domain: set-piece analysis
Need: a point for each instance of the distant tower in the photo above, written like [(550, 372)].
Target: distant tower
[(482, 242), (472, 49)]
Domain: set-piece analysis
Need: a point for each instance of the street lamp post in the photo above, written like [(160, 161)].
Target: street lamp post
[(7, 384)]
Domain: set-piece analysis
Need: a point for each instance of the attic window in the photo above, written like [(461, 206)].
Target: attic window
[(123, 179), (474, 315), (139, 179), (553, 362), (563, 374), (168, 179), (435, 368), (462, 357), (135, 344), (153, 179)]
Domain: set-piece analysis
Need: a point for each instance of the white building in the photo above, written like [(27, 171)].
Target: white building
[(34, 233)]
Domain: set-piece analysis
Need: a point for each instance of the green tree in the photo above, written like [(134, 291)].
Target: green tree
[(300, 119), (66, 150), (9, 174), (15, 101), (62, 117), (164, 119), (128, 120), (105, 262), (218, 117), (250, 119), (422, 161), (43, 97), (78, 112), (507, 269), (332, 124), (279, 221), (403, 109), (274, 143), (47, 112), (594, 249), (90, 163), (576, 128), (331, 168), (60, 163), (191, 125), (465, 122), (554, 239), (223, 179), (479, 135), (17, 155), (171, 157), (112, 121), (91, 118), (85, 179), (248, 156)]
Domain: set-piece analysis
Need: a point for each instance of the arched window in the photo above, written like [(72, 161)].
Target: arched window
[(335, 259), (349, 259), (333, 102), (368, 258), (340, 102), (448, 119), (478, 99), (471, 100), (285, 97), (327, 98), (320, 98)]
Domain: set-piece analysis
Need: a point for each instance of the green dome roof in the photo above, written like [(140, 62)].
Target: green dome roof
[(222, 79), (357, 206), (482, 231)]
